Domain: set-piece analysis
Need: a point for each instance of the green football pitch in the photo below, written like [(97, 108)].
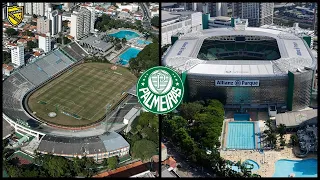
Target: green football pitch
[(81, 95)]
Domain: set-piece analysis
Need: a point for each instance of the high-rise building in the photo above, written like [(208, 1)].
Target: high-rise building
[(28, 9), (93, 18), (67, 6), (45, 42), (258, 14), (21, 4), (214, 9), (17, 55), (39, 9), (43, 25), (218, 9), (80, 23), (55, 22), (4, 12)]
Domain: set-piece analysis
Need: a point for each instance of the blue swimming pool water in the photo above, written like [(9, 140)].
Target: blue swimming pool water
[(255, 164), (140, 41), (241, 117), (300, 168), (125, 34), (128, 54), (241, 135)]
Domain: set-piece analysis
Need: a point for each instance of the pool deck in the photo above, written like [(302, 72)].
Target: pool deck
[(267, 168), (265, 160)]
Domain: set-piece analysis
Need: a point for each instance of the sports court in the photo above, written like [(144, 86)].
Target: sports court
[(82, 95)]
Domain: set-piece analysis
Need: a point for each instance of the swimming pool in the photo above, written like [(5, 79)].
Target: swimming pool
[(300, 168), (255, 164), (128, 54), (140, 42), (125, 34), (241, 135), (241, 117)]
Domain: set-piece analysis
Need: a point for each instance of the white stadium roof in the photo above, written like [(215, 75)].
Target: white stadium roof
[(183, 54)]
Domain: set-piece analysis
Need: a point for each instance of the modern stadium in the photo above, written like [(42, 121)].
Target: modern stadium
[(246, 67), (97, 139)]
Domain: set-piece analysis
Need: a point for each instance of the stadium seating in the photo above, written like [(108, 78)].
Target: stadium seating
[(214, 50), (74, 51)]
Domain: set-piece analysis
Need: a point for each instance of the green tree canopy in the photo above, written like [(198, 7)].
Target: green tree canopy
[(112, 162), (11, 32), (147, 58), (144, 149), (6, 57), (155, 21), (189, 110), (31, 45)]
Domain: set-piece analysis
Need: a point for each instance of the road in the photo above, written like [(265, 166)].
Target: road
[(146, 16), (187, 169)]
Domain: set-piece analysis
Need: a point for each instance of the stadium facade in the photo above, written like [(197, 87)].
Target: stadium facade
[(245, 67), (90, 142)]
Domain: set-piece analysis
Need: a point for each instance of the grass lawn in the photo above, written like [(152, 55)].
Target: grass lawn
[(82, 95)]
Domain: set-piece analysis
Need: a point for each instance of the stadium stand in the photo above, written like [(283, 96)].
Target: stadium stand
[(74, 51), (33, 74), (108, 143)]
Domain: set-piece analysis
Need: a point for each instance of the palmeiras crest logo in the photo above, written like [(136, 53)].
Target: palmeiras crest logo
[(160, 90)]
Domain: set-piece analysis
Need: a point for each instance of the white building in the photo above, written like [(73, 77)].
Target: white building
[(41, 9), (45, 43), (182, 22), (132, 7), (67, 6), (129, 117), (17, 55), (55, 22), (28, 9), (80, 23), (219, 22), (154, 12), (93, 18), (258, 14), (213, 8), (43, 25)]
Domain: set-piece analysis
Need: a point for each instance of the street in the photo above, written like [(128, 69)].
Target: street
[(187, 168)]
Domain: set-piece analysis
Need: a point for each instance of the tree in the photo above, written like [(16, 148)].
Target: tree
[(294, 139), (145, 118), (31, 45), (118, 47), (56, 166), (123, 41), (138, 127), (14, 171), (281, 129), (11, 32), (147, 58), (6, 57), (155, 21), (144, 149), (28, 33), (138, 23), (189, 110), (112, 162)]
